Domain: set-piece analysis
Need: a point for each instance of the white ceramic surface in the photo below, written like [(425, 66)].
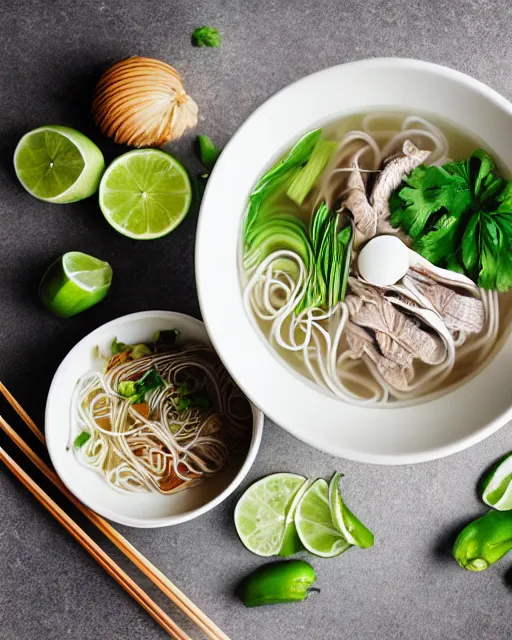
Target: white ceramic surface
[(133, 509), (386, 436)]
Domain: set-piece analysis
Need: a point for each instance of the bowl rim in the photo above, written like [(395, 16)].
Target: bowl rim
[(206, 295), (144, 523)]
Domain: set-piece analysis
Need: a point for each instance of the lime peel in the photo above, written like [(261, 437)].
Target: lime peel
[(58, 164), (73, 283), (498, 486)]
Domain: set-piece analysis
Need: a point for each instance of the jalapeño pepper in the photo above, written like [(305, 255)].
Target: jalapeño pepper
[(484, 541), (277, 583)]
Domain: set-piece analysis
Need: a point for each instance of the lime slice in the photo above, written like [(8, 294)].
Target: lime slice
[(73, 283), (145, 194), (344, 520), (291, 543), (260, 515), (498, 486), (58, 164), (314, 523)]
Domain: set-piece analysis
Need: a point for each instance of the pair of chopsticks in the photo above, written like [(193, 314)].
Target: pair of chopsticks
[(207, 626)]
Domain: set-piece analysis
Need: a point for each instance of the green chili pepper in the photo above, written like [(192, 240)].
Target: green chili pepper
[(208, 152), (277, 583), (484, 541)]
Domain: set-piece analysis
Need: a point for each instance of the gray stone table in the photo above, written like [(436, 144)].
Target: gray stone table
[(407, 586)]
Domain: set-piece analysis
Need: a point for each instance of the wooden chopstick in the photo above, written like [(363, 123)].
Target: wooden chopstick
[(154, 574), (111, 567)]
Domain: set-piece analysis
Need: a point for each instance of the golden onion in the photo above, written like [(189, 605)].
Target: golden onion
[(141, 102)]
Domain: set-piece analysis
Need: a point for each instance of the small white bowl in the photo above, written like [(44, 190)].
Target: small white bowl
[(145, 510), (422, 432)]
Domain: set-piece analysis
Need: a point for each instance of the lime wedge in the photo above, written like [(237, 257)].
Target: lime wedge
[(145, 194), (355, 532), (58, 164), (291, 543), (260, 515), (497, 486), (73, 283), (314, 523)]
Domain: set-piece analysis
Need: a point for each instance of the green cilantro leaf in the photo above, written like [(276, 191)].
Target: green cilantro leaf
[(459, 216), (206, 37)]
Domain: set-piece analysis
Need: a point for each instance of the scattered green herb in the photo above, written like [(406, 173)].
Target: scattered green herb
[(135, 390), (117, 347), (208, 152), (140, 350), (201, 402), (459, 216), (166, 338), (206, 37), (183, 389), (81, 439)]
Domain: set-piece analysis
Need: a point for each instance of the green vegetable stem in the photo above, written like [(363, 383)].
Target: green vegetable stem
[(277, 583), (484, 541)]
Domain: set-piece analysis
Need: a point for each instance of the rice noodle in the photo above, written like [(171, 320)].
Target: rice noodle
[(173, 449), (314, 337)]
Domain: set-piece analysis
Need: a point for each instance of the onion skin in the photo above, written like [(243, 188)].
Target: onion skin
[(141, 102)]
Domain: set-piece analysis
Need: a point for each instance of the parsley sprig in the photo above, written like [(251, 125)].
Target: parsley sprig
[(459, 216)]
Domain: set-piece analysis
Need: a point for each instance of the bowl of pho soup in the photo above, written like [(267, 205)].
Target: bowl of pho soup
[(362, 289)]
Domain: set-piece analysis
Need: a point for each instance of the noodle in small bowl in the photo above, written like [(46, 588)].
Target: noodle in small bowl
[(146, 431)]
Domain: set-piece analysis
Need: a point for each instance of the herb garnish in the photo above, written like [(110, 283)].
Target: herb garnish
[(459, 216), (206, 37), (135, 390), (81, 439)]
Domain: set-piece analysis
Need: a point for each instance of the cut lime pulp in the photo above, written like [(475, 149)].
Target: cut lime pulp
[(314, 523), (261, 513), (73, 283), (58, 164), (145, 194)]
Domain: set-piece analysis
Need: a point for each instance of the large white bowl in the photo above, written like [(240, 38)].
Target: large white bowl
[(385, 436), (145, 510)]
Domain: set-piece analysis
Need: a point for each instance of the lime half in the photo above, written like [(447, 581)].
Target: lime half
[(73, 283), (58, 164), (145, 194), (355, 532), (260, 515), (314, 524)]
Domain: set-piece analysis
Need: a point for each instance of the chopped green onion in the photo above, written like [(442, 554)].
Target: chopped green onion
[(309, 174), (140, 350), (117, 347), (135, 390), (81, 439), (208, 152), (201, 402), (183, 389)]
